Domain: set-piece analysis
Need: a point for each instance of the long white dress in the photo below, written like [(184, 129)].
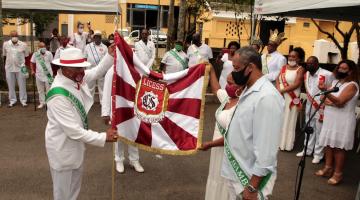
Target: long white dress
[(339, 123), (216, 186), (227, 68), (290, 114)]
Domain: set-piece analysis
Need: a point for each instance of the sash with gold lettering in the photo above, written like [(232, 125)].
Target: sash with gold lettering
[(295, 100)]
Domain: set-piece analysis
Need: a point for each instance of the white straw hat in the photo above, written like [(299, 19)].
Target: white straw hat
[(71, 57)]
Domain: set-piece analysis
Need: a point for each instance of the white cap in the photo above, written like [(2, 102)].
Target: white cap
[(71, 57)]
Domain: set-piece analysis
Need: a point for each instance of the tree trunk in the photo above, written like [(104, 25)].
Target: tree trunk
[(2, 67), (170, 24), (182, 18)]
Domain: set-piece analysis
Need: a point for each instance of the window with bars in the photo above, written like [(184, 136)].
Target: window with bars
[(109, 19)]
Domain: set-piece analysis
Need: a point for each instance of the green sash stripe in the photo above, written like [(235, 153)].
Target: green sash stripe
[(241, 175), (75, 101), (44, 68), (183, 62)]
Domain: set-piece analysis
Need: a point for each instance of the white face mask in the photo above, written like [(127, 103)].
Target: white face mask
[(14, 40), (81, 30), (292, 63), (111, 41)]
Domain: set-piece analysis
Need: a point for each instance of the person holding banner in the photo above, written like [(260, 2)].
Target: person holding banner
[(145, 49), (251, 140), (41, 69), (289, 84), (133, 151), (174, 60), (94, 53), (216, 186), (312, 78), (69, 101)]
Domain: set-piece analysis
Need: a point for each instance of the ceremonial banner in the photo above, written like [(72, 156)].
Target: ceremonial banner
[(157, 112)]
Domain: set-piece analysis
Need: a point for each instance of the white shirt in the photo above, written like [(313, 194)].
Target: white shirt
[(106, 97), (79, 41), (58, 51), (15, 55), (65, 136), (273, 63), (197, 55), (227, 69), (54, 44), (172, 64), (253, 138), (48, 57), (94, 53), (311, 83), (145, 52)]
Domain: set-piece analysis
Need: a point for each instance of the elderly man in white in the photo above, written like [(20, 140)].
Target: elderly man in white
[(198, 52), (273, 61), (94, 53), (15, 52), (145, 49), (251, 141), (119, 148), (41, 69), (68, 101)]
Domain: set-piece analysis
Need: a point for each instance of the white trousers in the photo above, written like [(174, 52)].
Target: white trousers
[(100, 86), (120, 155), (313, 145), (66, 184), (42, 87), (11, 78)]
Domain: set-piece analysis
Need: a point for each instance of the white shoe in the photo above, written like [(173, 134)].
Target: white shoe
[(40, 106), (301, 154), (316, 160), (137, 166), (120, 167), (24, 105)]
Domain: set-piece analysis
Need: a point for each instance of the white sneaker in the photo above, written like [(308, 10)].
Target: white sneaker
[(40, 106), (137, 166), (120, 167), (24, 105), (301, 154), (316, 160)]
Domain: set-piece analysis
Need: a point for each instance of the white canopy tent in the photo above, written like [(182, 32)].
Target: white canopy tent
[(60, 6), (347, 10)]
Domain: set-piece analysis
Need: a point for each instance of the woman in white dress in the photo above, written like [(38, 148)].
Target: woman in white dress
[(337, 133), (216, 186), (227, 63), (289, 84)]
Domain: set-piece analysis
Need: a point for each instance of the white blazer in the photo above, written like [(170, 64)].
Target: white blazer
[(65, 136)]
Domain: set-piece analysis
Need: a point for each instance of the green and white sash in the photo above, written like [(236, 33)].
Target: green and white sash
[(44, 68), (75, 101), (178, 58), (241, 175), (265, 59)]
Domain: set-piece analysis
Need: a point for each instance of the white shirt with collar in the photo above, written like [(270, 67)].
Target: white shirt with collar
[(196, 54), (79, 41), (311, 83), (145, 52), (58, 51), (40, 74), (171, 63), (94, 53), (252, 137), (273, 62), (106, 98), (15, 55), (65, 136)]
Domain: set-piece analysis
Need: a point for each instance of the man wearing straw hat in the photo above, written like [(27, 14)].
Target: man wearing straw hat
[(68, 101)]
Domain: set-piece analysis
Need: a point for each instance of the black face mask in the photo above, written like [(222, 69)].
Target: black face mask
[(239, 77), (311, 68), (341, 75)]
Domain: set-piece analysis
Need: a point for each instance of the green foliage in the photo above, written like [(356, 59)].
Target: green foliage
[(41, 20)]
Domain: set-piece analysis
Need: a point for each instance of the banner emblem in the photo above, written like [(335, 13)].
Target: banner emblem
[(151, 100)]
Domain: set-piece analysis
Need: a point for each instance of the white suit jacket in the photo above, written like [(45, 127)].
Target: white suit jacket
[(65, 136)]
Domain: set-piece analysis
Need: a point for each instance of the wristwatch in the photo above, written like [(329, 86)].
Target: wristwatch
[(251, 188)]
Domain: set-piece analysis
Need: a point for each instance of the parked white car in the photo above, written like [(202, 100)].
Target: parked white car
[(135, 35)]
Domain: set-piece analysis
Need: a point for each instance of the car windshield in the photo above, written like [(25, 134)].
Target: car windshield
[(154, 32)]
